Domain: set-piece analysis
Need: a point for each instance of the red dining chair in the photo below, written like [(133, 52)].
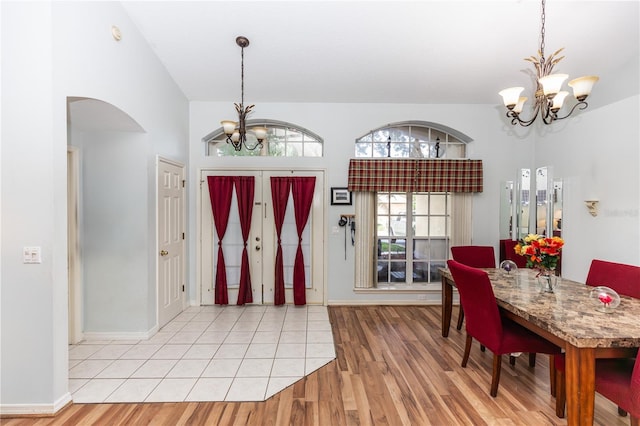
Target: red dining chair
[(510, 254), (476, 257), (617, 379), (625, 280), (485, 323)]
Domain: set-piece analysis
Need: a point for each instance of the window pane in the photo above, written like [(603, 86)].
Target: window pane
[(383, 272), (438, 227), (420, 203), (276, 149), (381, 135), (420, 249), (293, 136), (364, 150), (398, 272), (380, 150), (434, 274), (400, 150), (294, 149), (397, 248), (312, 149), (438, 249), (438, 204), (420, 272), (421, 226), (420, 133)]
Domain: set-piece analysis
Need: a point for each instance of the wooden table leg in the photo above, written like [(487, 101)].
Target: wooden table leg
[(447, 306), (580, 384)]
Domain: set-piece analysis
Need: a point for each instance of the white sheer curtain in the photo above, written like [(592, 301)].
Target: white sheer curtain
[(461, 204), (365, 239)]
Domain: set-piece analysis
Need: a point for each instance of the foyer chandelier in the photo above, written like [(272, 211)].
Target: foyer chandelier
[(548, 98), (236, 131)]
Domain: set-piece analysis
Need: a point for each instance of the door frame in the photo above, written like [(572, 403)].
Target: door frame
[(199, 218), (160, 159), (74, 259)]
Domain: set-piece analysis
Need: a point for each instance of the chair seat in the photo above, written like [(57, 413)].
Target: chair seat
[(516, 338), (613, 381)]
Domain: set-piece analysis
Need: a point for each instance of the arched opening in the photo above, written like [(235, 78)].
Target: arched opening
[(107, 211)]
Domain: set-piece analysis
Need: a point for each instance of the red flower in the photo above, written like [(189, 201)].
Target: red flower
[(605, 298)]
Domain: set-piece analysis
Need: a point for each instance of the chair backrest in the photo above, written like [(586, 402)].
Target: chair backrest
[(482, 317), (510, 254), (474, 256), (625, 279)]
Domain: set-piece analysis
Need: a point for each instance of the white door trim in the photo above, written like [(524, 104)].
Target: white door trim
[(74, 259), (160, 159), (199, 218)]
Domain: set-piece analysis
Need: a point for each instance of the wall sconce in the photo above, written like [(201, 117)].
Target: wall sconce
[(592, 206)]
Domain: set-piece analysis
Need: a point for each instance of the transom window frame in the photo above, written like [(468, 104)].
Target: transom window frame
[(307, 137), (412, 139)]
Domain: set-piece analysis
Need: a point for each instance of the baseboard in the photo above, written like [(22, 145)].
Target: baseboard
[(120, 335), (383, 302), (34, 410)]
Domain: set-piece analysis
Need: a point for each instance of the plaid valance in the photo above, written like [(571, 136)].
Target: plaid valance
[(415, 175)]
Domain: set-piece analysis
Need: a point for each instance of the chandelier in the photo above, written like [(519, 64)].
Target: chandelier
[(236, 131), (548, 96)]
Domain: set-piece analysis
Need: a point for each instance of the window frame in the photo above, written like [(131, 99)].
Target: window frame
[(410, 238), (217, 136), (414, 142)]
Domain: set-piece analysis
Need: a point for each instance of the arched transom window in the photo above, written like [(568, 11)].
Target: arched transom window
[(283, 140), (412, 139)]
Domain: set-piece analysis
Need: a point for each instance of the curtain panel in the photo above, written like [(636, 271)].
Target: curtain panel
[(415, 175)]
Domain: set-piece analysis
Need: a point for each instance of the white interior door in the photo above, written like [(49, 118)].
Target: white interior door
[(262, 241), (171, 269)]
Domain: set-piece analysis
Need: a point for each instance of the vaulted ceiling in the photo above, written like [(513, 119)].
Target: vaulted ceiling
[(380, 51)]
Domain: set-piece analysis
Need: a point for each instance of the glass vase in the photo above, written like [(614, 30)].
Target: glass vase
[(547, 279)]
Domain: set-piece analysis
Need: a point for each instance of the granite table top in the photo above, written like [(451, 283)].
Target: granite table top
[(569, 312)]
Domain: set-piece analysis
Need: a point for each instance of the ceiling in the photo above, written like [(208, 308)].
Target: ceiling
[(379, 51)]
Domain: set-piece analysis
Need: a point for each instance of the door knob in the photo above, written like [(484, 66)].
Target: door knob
[(257, 248), (164, 253)]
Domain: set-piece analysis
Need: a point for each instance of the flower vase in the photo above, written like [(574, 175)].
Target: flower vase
[(547, 279)]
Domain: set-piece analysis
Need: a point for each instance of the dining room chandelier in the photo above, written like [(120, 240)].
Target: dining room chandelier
[(548, 98), (236, 131)]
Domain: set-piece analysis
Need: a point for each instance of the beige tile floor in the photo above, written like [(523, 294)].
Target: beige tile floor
[(207, 353)]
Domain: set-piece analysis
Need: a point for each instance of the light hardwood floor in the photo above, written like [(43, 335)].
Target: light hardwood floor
[(392, 368)]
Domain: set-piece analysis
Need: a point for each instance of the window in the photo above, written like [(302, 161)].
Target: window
[(413, 233), (283, 140), (413, 139)]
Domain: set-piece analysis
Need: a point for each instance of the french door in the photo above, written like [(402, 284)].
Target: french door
[(262, 240)]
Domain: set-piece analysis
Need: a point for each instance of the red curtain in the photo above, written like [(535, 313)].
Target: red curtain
[(302, 189), (245, 187), (279, 196), (220, 191)]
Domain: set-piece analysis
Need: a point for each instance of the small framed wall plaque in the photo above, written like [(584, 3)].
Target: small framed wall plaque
[(340, 196)]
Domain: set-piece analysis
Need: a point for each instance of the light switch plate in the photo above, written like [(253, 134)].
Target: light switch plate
[(31, 255)]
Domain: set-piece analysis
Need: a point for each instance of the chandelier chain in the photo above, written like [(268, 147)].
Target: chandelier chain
[(242, 76), (542, 31)]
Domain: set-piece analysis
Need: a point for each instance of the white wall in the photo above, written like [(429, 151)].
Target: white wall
[(51, 51), (597, 155), (340, 125)]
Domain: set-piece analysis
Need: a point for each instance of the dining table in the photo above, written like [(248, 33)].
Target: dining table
[(571, 318)]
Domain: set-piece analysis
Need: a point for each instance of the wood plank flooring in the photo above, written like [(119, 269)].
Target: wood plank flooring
[(392, 368)]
